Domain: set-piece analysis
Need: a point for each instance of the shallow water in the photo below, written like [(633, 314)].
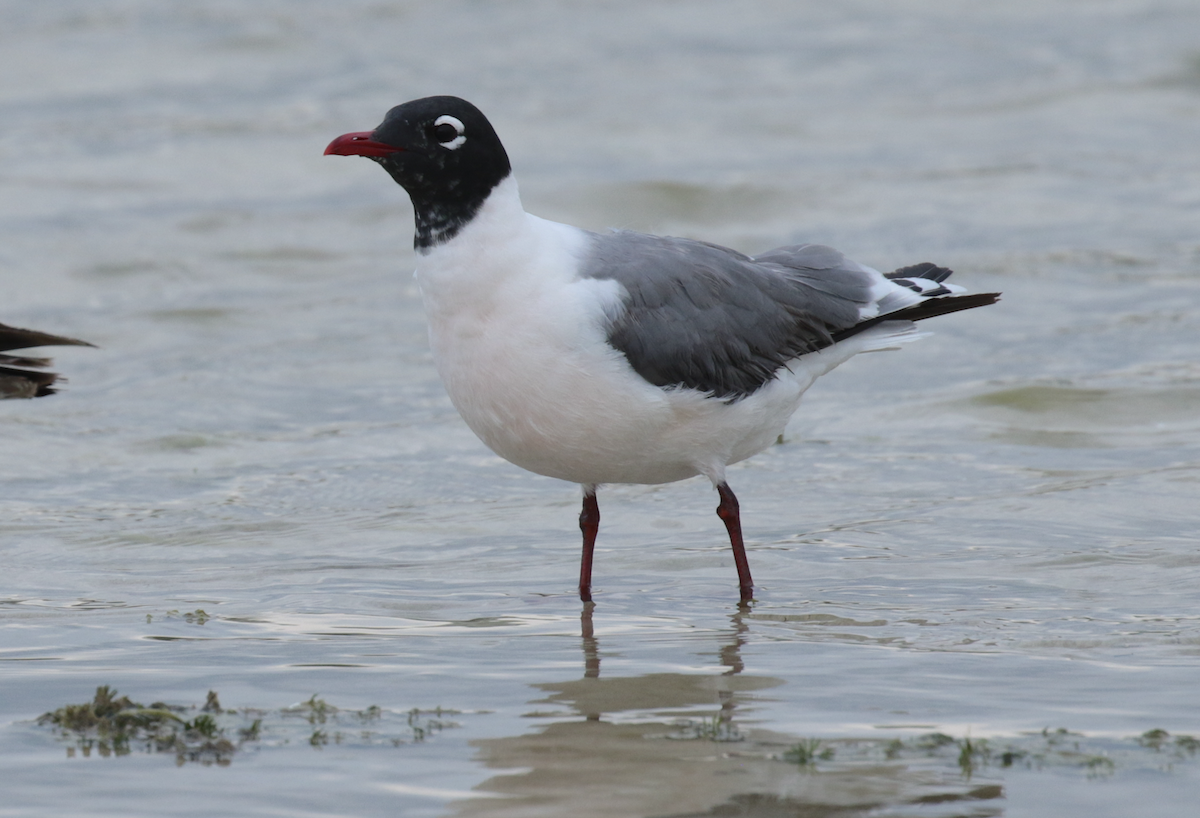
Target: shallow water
[(257, 485)]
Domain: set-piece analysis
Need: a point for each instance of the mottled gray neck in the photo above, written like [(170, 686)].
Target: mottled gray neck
[(437, 224), (443, 205)]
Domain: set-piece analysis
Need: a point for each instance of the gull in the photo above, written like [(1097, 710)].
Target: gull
[(622, 357), (17, 376)]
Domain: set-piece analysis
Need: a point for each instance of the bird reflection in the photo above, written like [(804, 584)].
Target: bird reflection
[(592, 696), (642, 748), (731, 657), (591, 648), (730, 653)]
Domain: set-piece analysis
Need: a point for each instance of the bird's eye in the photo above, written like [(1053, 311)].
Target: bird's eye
[(448, 131)]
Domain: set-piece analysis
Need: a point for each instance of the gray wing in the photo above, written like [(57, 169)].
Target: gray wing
[(709, 318)]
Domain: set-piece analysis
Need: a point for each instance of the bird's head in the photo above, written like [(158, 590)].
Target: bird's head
[(443, 151)]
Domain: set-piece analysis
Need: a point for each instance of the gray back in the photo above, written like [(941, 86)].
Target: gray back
[(709, 318)]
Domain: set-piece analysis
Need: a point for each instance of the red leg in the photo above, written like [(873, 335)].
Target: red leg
[(589, 524), (731, 516)]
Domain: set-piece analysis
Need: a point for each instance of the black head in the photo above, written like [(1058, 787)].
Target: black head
[(444, 152)]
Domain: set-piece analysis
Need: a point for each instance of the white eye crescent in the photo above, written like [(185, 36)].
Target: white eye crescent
[(449, 131)]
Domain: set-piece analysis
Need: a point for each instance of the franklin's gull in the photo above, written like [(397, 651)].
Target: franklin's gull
[(622, 357)]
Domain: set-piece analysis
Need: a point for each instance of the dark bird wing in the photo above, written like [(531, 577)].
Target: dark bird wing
[(18, 378)]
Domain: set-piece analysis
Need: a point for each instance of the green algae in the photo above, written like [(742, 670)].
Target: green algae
[(112, 726)]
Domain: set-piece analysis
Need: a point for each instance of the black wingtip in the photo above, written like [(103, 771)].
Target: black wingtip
[(942, 305), (929, 308), (17, 338), (926, 269)]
